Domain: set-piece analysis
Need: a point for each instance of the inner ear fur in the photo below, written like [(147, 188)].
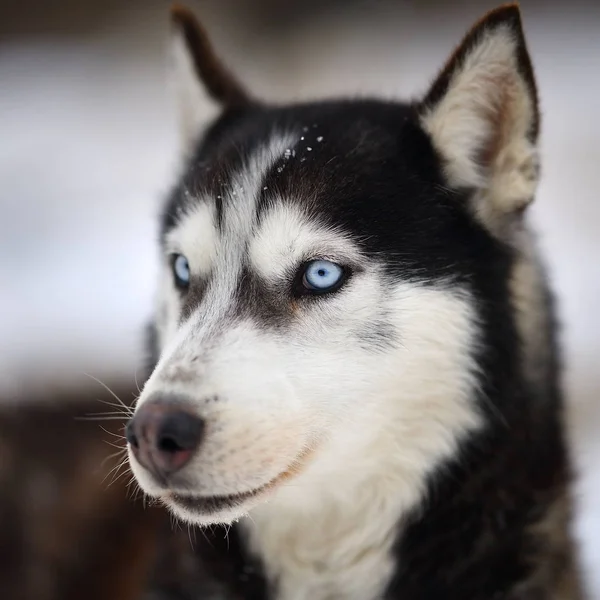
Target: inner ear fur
[(482, 115)]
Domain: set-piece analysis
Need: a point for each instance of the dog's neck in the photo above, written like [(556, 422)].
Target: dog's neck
[(342, 549), (330, 532)]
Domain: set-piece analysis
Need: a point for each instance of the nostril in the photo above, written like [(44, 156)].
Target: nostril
[(130, 435), (168, 444), (178, 432)]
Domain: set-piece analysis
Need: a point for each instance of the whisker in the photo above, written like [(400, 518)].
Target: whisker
[(116, 469), (190, 538), (117, 478), (115, 405), (110, 456), (137, 385), (132, 491), (108, 390), (227, 530), (207, 539), (120, 447), (107, 413), (121, 437), (122, 418)]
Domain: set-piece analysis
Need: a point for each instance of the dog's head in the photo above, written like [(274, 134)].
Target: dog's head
[(333, 277)]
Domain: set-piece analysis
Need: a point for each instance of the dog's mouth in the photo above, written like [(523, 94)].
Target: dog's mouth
[(212, 506)]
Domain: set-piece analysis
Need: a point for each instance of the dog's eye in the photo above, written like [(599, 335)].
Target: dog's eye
[(181, 271), (322, 276)]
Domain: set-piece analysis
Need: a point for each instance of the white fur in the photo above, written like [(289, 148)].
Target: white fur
[(196, 236), (488, 106)]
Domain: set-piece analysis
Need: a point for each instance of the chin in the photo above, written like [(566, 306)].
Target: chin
[(213, 510)]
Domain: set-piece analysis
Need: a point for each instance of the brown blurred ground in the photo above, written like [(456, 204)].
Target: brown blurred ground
[(69, 526)]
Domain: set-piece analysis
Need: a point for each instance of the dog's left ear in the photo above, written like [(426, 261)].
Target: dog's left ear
[(204, 85), (482, 116)]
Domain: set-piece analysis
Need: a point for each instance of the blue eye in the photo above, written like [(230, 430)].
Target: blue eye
[(322, 276), (181, 271)]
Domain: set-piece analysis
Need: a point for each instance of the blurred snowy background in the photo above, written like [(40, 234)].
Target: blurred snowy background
[(87, 146)]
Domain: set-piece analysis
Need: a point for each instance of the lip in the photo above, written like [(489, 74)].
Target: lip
[(211, 505)]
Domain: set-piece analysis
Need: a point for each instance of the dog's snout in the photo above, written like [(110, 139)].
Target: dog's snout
[(164, 436)]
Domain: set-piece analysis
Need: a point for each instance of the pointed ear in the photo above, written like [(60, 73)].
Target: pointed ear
[(204, 86), (482, 115)]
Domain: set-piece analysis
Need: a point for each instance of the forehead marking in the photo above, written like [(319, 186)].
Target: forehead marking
[(245, 189), (221, 250), (240, 211)]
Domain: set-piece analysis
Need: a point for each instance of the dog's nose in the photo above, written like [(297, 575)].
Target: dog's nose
[(163, 436)]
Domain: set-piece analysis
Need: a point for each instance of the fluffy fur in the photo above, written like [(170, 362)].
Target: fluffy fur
[(401, 437)]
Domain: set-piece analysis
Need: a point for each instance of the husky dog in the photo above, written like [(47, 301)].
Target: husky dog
[(355, 364)]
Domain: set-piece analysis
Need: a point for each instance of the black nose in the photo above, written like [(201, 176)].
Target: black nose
[(164, 436)]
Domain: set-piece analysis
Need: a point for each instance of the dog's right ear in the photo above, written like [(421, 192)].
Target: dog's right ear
[(204, 85), (483, 119)]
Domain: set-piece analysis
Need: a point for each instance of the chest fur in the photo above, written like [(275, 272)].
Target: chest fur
[(331, 555)]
